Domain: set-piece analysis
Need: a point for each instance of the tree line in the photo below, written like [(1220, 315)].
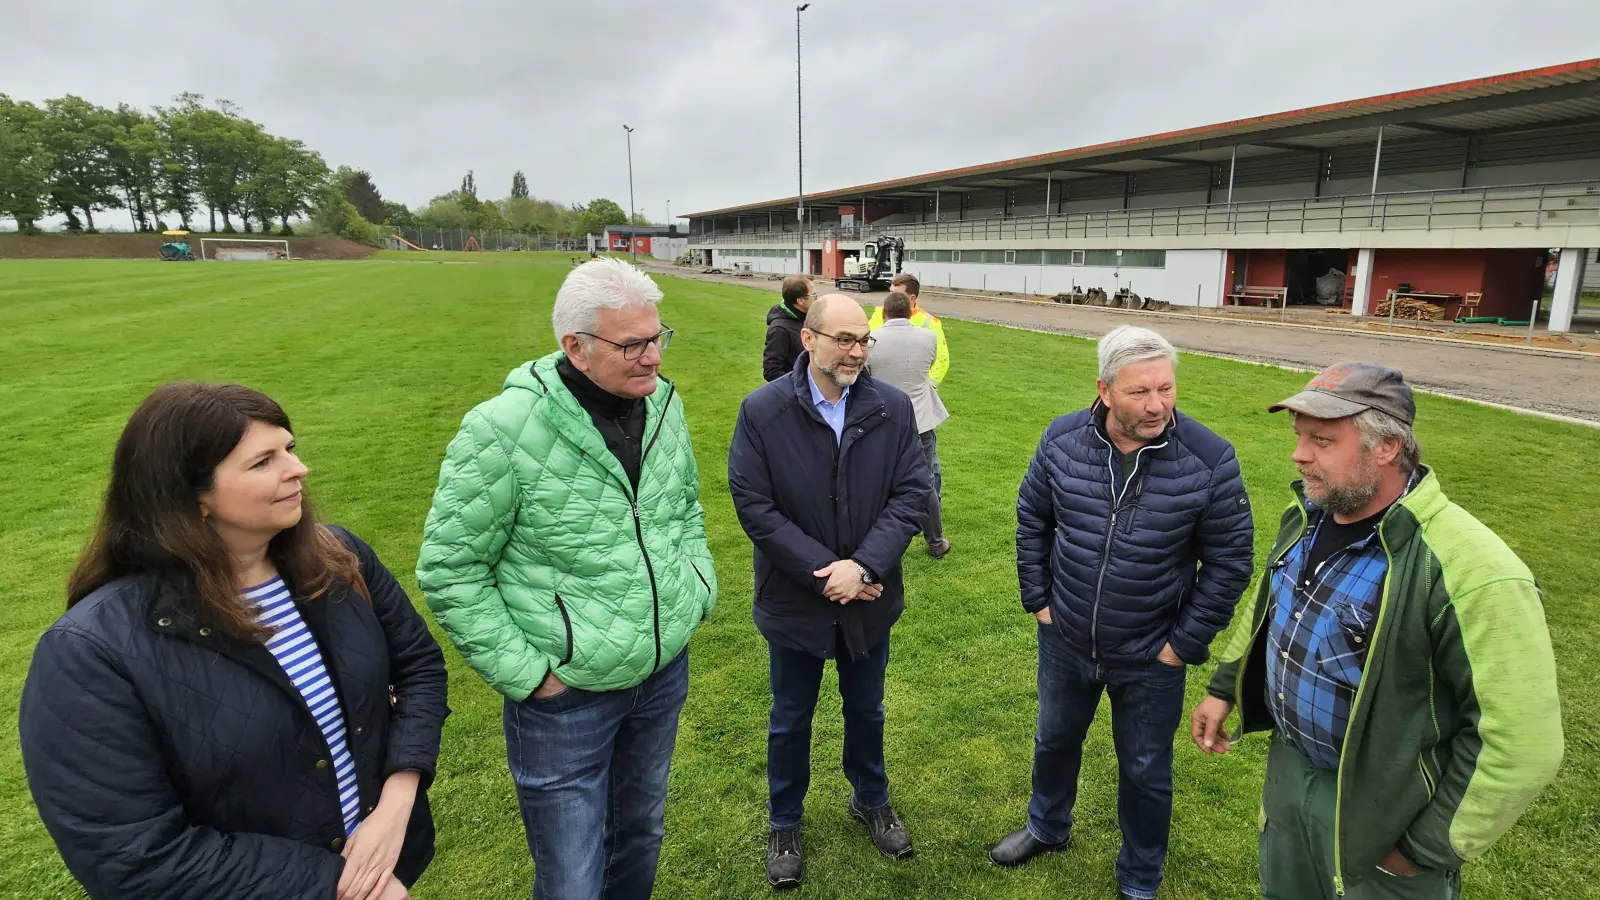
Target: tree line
[(72, 158)]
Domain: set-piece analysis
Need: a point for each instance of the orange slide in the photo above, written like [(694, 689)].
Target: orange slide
[(407, 243)]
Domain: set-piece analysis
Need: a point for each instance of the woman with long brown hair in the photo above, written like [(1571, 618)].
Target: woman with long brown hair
[(239, 702)]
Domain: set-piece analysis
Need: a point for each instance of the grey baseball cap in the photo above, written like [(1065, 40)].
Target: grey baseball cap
[(1348, 388)]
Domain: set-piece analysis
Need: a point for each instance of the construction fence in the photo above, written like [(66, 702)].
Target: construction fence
[(487, 241)]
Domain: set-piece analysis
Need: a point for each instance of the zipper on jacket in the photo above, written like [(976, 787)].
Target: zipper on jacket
[(1355, 705), (1264, 606), (566, 620), (638, 528), (1111, 531), (703, 583)]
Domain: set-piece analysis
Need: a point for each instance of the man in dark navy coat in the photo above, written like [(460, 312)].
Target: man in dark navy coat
[(829, 481), (1134, 542)]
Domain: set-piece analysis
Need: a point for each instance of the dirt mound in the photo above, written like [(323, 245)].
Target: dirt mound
[(144, 246)]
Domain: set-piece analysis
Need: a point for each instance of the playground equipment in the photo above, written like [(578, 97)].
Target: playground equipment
[(472, 245), (176, 247), (408, 243)]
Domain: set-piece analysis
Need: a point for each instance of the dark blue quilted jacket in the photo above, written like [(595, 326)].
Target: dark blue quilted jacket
[(1164, 560), (170, 762)]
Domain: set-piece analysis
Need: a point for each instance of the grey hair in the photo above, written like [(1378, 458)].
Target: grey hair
[(1377, 426), (1127, 344), (605, 283)]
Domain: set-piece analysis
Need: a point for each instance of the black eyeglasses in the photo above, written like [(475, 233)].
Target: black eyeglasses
[(635, 349), (845, 341)]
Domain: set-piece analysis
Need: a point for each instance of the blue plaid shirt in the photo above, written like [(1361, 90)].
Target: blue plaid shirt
[(1317, 640)]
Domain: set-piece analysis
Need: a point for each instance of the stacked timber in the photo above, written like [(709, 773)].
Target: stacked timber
[(1415, 310)]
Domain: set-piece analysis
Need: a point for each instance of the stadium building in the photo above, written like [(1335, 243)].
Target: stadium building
[(1462, 194)]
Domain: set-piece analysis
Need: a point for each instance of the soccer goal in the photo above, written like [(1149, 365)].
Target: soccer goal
[(230, 249)]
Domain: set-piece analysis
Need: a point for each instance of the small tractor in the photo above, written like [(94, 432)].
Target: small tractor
[(176, 247), (877, 266)]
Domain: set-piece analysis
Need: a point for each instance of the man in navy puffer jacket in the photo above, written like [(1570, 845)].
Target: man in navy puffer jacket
[(1134, 542)]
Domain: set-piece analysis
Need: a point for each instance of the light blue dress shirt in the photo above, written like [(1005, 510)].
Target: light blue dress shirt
[(832, 413)]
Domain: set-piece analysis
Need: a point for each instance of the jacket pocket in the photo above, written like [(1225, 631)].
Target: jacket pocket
[(703, 583), (1428, 781), (566, 623)]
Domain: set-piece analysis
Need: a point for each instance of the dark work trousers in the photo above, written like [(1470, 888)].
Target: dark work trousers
[(796, 677)]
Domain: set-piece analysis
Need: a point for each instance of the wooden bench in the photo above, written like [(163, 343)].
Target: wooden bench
[(1265, 295)]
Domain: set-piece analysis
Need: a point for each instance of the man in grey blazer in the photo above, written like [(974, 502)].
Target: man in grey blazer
[(902, 357)]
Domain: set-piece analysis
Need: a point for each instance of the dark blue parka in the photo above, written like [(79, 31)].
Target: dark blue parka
[(806, 501), (171, 762), (1124, 572)]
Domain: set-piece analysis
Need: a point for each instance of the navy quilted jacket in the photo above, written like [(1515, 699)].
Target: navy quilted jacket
[(1164, 560), (171, 762)]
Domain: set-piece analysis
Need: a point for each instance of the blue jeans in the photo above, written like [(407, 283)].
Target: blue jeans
[(1146, 706), (796, 677), (590, 768)]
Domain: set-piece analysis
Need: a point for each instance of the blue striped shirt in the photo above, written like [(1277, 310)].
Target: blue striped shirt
[(296, 651)]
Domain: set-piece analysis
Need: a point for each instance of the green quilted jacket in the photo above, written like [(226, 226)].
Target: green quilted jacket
[(1456, 726), (537, 556)]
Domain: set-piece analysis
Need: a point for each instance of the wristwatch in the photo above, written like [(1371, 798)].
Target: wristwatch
[(866, 574)]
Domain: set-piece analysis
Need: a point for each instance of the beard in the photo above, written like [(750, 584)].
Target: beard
[(842, 377), (1137, 428), (1346, 498)]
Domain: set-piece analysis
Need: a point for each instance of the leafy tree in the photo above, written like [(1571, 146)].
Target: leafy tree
[(641, 219), (600, 213), (469, 186), (287, 182), (137, 152), (489, 218), (177, 182), (359, 190), (77, 135), (534, 215), (25, 166), (519, 186), (448, 211), (395, 213)]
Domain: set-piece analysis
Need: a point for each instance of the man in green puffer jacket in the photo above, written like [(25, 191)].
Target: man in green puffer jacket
[(566, 558), (1397, 651)]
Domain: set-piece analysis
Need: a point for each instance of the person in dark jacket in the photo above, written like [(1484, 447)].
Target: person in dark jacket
[(238, 702), (1134, 540), (828, 479), (783, 327)]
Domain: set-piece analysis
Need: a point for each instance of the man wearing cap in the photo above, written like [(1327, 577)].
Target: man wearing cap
[(1397, 651)]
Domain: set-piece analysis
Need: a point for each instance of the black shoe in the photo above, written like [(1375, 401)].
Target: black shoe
[(786, 859), (889, 834), (1018, 847), (939, 550)]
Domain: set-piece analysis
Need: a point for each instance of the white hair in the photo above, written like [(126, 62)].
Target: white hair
[(1376, 426), (605, 283), (1127, 344)]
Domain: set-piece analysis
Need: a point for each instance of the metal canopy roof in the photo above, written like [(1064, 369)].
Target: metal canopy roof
[(1550, 96)]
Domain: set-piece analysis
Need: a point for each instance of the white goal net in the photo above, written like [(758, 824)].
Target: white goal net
[(230, 249)]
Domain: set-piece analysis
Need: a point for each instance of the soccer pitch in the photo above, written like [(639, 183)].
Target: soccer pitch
[(377, 361)]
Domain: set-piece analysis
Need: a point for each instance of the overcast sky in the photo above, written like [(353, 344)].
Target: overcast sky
[(419, 92)]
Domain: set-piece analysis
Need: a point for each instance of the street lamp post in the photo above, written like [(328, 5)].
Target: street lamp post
[(799, 140), (633, 239)]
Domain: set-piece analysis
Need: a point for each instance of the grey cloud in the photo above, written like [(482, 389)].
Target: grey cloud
[(417, 93)]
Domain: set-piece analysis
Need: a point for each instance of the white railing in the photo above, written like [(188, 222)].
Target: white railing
[(1515, 206)]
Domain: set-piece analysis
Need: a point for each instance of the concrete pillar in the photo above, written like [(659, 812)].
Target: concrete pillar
[(1569, 284), (1364, 260)]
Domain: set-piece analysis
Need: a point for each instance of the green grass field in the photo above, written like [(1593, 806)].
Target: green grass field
[(377, 361)]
